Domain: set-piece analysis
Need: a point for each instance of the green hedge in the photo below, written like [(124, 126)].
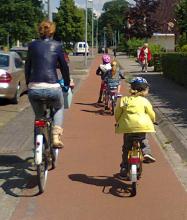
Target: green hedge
[(174, 66), (157, 62)]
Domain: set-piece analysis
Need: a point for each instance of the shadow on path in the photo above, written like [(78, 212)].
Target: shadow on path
[(16, 177), (111, 185), (91, 104)]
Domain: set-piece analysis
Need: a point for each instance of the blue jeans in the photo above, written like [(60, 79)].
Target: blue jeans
[(54, 97)]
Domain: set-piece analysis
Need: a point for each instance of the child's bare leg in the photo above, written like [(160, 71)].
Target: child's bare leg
[(119, 89)]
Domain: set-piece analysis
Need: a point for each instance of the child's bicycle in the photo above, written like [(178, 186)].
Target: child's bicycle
[(111, 95), (135, 159), (45, 156)]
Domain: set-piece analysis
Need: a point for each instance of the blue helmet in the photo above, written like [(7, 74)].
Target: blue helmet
[(139, 84)]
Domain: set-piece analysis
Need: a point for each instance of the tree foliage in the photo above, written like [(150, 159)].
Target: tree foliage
[(141, 22), (70, 22), (181, 16), (19, 19), (112, 18)]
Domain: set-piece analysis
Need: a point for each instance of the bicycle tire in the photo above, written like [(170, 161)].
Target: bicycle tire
[(134, 190), (113, 107), (42, 170)]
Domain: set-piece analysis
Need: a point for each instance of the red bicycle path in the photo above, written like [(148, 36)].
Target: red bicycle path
[(84, 185)]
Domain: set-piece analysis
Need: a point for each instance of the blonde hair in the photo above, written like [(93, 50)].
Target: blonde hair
[(114, 67), (138, 93), (46, 29)]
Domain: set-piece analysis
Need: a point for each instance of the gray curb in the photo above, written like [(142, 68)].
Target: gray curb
[(173, 135)]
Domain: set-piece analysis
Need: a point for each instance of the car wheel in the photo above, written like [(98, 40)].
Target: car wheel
[(16, 98)]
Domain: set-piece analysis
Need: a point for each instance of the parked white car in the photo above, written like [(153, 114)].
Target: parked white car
[(12, 78), (80, 48)]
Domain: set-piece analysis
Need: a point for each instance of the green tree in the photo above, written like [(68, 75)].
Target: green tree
[(70, 22), (19, 19), (181, 16), (141, 22), (112, 19)]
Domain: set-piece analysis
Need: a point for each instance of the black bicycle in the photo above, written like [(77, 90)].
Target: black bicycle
[(45, 156)]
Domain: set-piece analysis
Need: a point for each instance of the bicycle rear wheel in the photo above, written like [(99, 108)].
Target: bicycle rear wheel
[(112, 107), (42, 172), (42, 167), (134, 178), (133, 192)]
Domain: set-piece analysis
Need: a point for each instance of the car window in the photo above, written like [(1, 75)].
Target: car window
[(4, 60), (18, 62), (80, 45), (23, 54)]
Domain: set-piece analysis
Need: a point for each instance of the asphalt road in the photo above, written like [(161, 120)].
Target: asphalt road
[(85, 186)]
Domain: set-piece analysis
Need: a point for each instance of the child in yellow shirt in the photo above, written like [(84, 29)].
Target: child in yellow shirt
[(134, 116)]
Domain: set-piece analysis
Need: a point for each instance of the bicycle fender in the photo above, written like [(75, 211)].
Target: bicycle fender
[(133, 173), (38, 149)]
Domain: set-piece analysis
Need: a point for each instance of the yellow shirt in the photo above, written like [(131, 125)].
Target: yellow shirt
[(134, 114)]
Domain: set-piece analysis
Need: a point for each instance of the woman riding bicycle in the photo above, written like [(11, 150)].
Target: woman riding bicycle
[(41, 77), (134, 117)]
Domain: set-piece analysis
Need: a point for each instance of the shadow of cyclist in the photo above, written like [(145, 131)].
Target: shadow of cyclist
[(111, 185), (16, 176)]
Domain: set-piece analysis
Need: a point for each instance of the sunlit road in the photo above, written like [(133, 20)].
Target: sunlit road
[(85, 186)]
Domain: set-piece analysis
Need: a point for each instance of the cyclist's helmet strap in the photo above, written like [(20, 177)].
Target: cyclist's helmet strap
[(139, 84)]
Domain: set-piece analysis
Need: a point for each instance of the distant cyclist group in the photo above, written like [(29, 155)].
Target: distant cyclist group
[(134, 114)]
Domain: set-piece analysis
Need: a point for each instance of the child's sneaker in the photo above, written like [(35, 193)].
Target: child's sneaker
[(148, 158)]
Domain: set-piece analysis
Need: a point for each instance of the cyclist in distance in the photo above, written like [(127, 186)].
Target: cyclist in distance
[(102, 71), (41, 77), (134, 116), (115, 75)]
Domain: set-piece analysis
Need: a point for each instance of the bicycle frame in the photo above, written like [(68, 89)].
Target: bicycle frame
[(111, 98)]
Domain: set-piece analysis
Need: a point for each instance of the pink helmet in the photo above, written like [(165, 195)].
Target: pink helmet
[(106, 58)]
